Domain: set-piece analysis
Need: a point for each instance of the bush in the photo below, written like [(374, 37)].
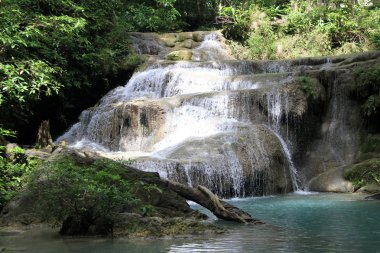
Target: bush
[(308, 85), (310, 29), (14, 172), (303, 45), (68, 189), (261, 41)]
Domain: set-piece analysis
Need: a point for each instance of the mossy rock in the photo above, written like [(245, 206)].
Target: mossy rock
[(168, 41), (181, 55), (198, 36), (330, 181), (365, 175), (188, 44), (103, 190), (180, 37)]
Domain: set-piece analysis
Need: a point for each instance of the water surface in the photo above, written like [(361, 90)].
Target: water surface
[(295, 223)]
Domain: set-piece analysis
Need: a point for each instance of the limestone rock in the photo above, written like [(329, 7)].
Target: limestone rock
[(331, 181), (181, 55)]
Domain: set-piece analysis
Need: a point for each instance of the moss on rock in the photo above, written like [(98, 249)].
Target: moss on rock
[(180, 55), (88, 195), (365, 175), (134, 225)]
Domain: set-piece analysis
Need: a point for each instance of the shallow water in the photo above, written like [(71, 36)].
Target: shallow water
[(295, 223)]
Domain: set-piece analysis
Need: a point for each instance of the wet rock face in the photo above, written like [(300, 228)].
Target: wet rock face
[(123, 126), (335, 131), (241, 128), (245, 163)]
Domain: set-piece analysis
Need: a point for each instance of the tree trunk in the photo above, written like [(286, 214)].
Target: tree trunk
[(207, 199), (43, 136)]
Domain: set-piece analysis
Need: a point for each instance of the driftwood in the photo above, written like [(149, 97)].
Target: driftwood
[(43, 136), (207, 199)]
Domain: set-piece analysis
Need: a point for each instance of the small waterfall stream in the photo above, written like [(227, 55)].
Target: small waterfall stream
[(213, 121)]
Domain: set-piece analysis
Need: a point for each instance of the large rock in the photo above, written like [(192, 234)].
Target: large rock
[(331, 181), (157, 210), (365, 175)]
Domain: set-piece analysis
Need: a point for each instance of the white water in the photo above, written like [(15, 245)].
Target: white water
[(199, 122)]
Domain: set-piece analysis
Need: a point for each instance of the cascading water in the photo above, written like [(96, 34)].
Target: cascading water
[(211, 121)]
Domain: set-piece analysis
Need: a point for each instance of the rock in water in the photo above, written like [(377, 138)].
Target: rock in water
[(373, 197)]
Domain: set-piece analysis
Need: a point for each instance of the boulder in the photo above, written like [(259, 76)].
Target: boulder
[(331, 181)]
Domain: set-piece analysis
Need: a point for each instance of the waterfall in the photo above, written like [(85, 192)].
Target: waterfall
[(278, 104), (212, 121)]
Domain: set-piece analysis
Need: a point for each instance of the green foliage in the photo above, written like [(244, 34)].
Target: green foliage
[(302, 28), (370, 144), (14, 172), (370, 24), (364, 173), (147, 210), (307, 85), (65, 47), (27, 80), (261, 41), (240, 27), (198, 14), (367, 88), (66, 188), (148, 18), (299, 45), (6, 132)]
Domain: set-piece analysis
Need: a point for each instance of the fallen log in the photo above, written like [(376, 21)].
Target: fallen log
[(207, 199)]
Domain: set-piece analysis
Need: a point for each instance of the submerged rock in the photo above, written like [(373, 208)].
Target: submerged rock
[(373, 197), (135, 225)]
